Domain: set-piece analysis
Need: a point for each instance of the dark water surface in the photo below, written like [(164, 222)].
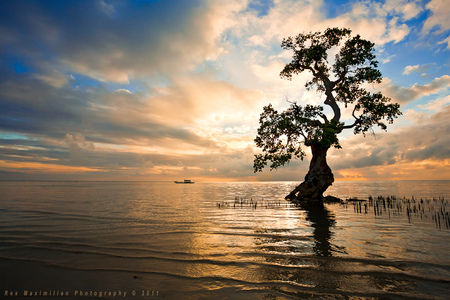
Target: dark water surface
[(158, 240)]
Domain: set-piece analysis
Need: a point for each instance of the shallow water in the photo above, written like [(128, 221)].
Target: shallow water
[(161, 240)]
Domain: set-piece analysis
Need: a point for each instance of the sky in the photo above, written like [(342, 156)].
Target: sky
[(172, 90)]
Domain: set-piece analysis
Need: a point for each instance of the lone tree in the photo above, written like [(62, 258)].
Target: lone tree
[(281, 135)]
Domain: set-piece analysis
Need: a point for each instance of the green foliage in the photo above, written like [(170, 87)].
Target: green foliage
[(354, 64), (373, 108), (281, 135)]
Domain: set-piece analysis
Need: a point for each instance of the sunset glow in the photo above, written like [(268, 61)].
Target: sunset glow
[(166, 90)]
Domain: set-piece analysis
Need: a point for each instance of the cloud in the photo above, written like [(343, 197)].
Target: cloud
[(200, 100), (57, 80), (78, 141), (31, 107), (107, 8), (40, 168), (447, 40), (132, 89), (123, 91), (438, 23), (112, 45), (408, 149), (425, 170), (417, 69), (436, 105), (197, 122), (374, 21), (404, 9), (439, 18), (378, 23), (407, 94), (408, 9), (259, 37), (78, 145)]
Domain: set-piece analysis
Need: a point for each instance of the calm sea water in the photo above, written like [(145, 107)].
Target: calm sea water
[(159, 240)]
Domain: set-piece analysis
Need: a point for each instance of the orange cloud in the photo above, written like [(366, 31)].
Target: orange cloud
[(36, 167), (429, 169)]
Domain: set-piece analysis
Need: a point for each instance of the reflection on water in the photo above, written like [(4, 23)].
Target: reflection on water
[(322, 221), (322, 271), (175, 239)]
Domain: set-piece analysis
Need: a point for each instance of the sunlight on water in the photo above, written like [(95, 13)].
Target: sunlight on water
[(223, 240)]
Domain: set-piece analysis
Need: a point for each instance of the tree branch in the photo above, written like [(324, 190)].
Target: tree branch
[(353, 125), (324, 117), (312, 71), (357, 120), (341, 77), (332, 103), (329, 86), (353, 112)]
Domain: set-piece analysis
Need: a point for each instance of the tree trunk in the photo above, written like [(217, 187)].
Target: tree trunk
[(318, 179)]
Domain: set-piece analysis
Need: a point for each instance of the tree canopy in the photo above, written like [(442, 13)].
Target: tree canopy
[(281, 136)]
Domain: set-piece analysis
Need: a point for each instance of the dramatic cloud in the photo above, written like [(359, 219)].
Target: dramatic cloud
[(438, 21), (370, 20), (439, 18), (138, 90), (422, 146), (407, 94), (447, 40), (118, 41)]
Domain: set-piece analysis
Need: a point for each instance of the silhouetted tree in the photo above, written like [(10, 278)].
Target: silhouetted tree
[(281, 135)]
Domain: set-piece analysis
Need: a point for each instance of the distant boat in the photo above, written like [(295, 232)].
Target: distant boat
[(186, 181)]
